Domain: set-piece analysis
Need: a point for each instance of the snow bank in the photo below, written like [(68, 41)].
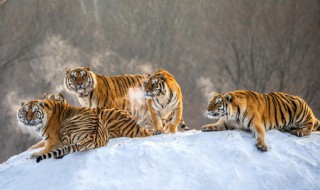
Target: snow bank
[(186, 160)]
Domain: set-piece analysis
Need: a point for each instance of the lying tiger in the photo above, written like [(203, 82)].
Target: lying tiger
[(56, 97), (164, 99), (68, 129), (95, 90), (259, 112)]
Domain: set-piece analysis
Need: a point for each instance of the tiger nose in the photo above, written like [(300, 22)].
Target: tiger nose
[(29, 120)]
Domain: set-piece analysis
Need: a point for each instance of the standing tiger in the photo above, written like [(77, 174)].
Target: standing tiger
[(164, 99), (95, 90), (68, 129), (259, 112)]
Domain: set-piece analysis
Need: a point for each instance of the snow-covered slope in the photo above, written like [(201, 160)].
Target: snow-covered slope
[(186, 160)]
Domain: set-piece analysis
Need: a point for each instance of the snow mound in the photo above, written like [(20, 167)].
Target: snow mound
[(185, 160)]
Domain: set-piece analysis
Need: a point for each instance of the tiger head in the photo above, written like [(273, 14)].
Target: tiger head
[(56, 97), (80, 80), (219, 106), (34, 114), (154, 86)]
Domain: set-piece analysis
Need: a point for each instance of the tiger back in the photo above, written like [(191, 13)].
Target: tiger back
[(119, 123), (129, 128)]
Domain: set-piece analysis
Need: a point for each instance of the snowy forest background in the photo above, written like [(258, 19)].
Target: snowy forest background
[(208, 45)]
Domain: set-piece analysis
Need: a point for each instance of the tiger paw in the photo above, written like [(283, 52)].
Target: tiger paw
[(262, 146), (210, 127), (157, 132)]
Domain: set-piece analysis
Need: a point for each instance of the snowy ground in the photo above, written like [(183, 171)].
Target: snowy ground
[(186, 160)]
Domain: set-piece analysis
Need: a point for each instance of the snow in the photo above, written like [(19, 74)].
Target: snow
[(185, 160)]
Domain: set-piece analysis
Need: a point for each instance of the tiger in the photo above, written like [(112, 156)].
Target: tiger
[(164, 100), (99, 91), (67, 129), (249, 110)]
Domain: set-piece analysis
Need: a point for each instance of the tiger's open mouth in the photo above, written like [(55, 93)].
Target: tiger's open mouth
[(150, 95), (80, 90)]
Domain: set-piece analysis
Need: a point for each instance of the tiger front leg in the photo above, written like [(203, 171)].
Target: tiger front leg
[(173, 124), (259, 135), (219, 126), (157, 123), (156, 119)]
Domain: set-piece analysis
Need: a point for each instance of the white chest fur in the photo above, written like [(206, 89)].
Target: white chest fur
[(85, 101)]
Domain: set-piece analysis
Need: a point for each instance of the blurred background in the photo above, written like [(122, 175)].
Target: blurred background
[(208, 45)]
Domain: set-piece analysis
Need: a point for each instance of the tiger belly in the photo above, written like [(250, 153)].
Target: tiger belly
[(236, 125)]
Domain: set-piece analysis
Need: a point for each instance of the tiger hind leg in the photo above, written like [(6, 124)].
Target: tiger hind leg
[(38, 145)]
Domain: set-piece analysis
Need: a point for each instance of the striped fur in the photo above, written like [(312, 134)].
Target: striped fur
[(260, 112), (164, 102), (68, 129)]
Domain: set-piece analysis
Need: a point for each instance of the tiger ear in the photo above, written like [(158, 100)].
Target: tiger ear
[(44, 95), (162, 77), (148, 75), (41, 103), (68, 71), (22, 103), (62, 96), (228, 97), (212, 94), (88, 68)]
